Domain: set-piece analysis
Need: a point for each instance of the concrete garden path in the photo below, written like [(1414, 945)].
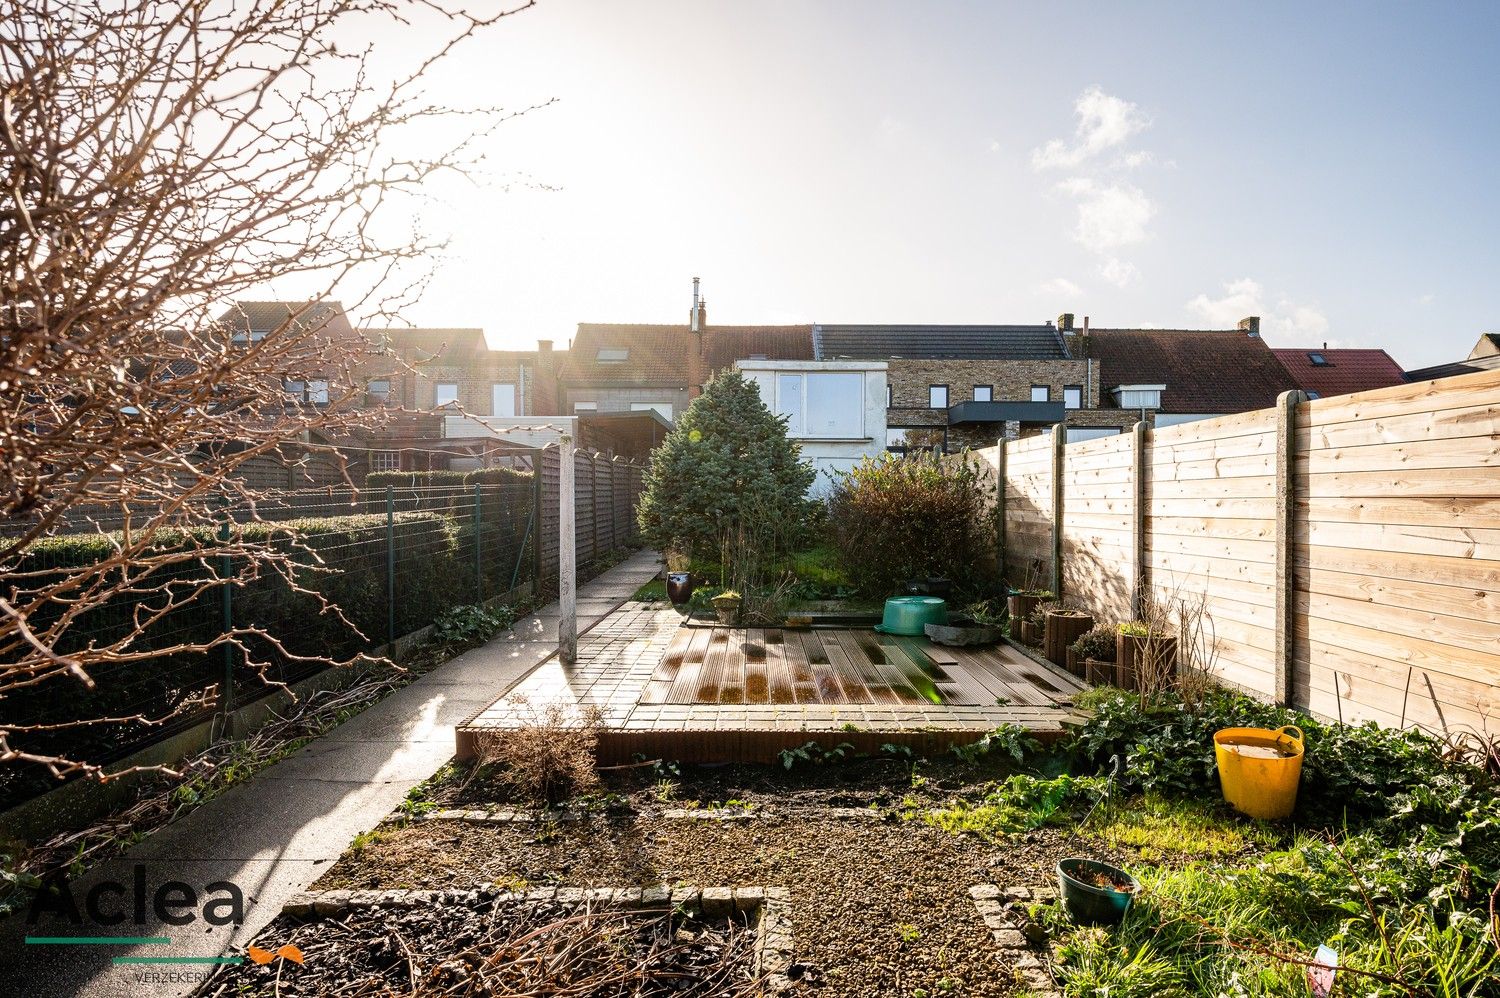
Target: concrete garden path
[(277, 832)]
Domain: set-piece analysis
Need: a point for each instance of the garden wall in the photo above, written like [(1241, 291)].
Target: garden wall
[(1348, 548)]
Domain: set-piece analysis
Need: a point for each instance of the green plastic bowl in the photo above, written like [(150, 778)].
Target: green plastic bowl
[(911, 614)]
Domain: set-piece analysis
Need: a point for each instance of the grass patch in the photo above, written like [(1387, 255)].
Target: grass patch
[(1160, 827), (1019, 804), (1241, 929)]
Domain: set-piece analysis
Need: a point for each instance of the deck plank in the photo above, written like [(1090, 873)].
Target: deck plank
[(685, 685), (778, 673), (732, 678), (757, 684)]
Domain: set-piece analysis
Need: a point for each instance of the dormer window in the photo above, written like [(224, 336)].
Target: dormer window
[(1318, 360), (1139, 396), (613, 355)]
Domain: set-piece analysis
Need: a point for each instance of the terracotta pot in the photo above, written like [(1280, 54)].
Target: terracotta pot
[(1130, 653), (1061, 629)]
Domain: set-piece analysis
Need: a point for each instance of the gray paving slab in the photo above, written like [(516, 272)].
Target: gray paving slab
[(274, 834)]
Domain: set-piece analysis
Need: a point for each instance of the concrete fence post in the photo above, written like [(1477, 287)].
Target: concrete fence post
[(1286, 508), (1141, 580), (1059, 445), (1000, 515), (567, 571)]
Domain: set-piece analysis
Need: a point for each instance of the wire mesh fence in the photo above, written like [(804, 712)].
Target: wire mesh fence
[(354, 571)]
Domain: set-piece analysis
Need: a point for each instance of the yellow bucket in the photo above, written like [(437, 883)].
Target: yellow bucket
[(1259, 769)]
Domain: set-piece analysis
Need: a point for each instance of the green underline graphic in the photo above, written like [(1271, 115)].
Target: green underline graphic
[(98, 941), (179, 959)]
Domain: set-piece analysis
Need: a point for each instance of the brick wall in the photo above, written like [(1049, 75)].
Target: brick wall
[(1011, 379)]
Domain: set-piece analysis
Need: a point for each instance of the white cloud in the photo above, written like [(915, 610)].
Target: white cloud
[(1110, 215), (1287, 323), (1104, 122), (1060, 287), (1426, 299), (1119, 272)]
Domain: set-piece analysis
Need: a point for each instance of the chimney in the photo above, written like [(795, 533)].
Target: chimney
[(546, 392), (1251, 325), (544, 348), (1065, 322), (698, 317)]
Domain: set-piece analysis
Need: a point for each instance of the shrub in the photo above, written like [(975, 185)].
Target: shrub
[(1097, 643), (728, 481), (415, 479), (550, 759), (893, 519)]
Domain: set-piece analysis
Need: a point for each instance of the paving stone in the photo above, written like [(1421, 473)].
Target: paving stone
[(984, 891), (1009, 938), (1018, 893), (717, 902), (656, 897), (748, 900)]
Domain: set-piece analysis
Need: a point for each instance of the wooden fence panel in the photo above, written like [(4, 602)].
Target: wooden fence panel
[(1098, 537), (1226, 554), (1397, 554), (1384, 546), (1028, 512)]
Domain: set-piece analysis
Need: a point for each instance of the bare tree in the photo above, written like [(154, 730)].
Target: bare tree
[(162, 161)]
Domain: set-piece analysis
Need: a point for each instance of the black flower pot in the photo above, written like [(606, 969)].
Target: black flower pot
[(680, 587)]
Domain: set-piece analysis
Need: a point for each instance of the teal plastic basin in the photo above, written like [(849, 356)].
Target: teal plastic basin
[(911, 614)]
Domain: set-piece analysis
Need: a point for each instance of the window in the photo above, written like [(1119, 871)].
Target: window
[(1318, 360), (585, 406), (1041, 393), (914, 439), (502, 399), (240, 338), (385, 460), (890, 396), (1072, 397), (984, 393), (835, 404), (827, 404), (613, 355), (378, 389), (1139, 396), (315, 392), (1077, 433), (937, 397), (665, 408), (446, 392), (789, 401)]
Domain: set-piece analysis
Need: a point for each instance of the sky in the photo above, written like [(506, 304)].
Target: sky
[(1331, 168)]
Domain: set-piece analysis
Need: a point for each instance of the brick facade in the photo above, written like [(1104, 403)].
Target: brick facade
[(1010, 379)]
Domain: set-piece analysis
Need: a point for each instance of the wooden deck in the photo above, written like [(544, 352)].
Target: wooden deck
[(725, 665), (711, 694)]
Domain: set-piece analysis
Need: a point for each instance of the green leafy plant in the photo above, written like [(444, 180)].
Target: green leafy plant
[(1019, 804), (1009, 739), (892, 519), (1097, 643), (811, 753), (463, 626)]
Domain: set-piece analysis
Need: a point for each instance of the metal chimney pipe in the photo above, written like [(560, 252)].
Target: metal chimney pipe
[(694, 313)]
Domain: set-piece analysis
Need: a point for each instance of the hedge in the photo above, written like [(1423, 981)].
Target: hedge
[(433, 571)]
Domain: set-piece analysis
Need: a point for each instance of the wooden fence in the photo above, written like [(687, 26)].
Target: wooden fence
[(606, 492), (1348, 548)]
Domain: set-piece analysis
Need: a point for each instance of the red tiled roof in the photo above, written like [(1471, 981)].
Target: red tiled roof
[(1205, 371), (1345, 371), (723, 345), (662, 355), (655, 355)]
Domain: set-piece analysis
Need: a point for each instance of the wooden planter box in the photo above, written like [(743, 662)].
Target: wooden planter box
[(1097, 673), (1062, 629), (1130, 650), (1019, 607), (1028, 633)]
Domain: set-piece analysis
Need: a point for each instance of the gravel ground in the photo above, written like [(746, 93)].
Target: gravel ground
[(879, 907)]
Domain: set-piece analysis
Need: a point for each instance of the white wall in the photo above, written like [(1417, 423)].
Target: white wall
[(864, 433)]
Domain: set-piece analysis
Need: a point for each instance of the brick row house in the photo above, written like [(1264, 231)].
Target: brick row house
[(845, 390)]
